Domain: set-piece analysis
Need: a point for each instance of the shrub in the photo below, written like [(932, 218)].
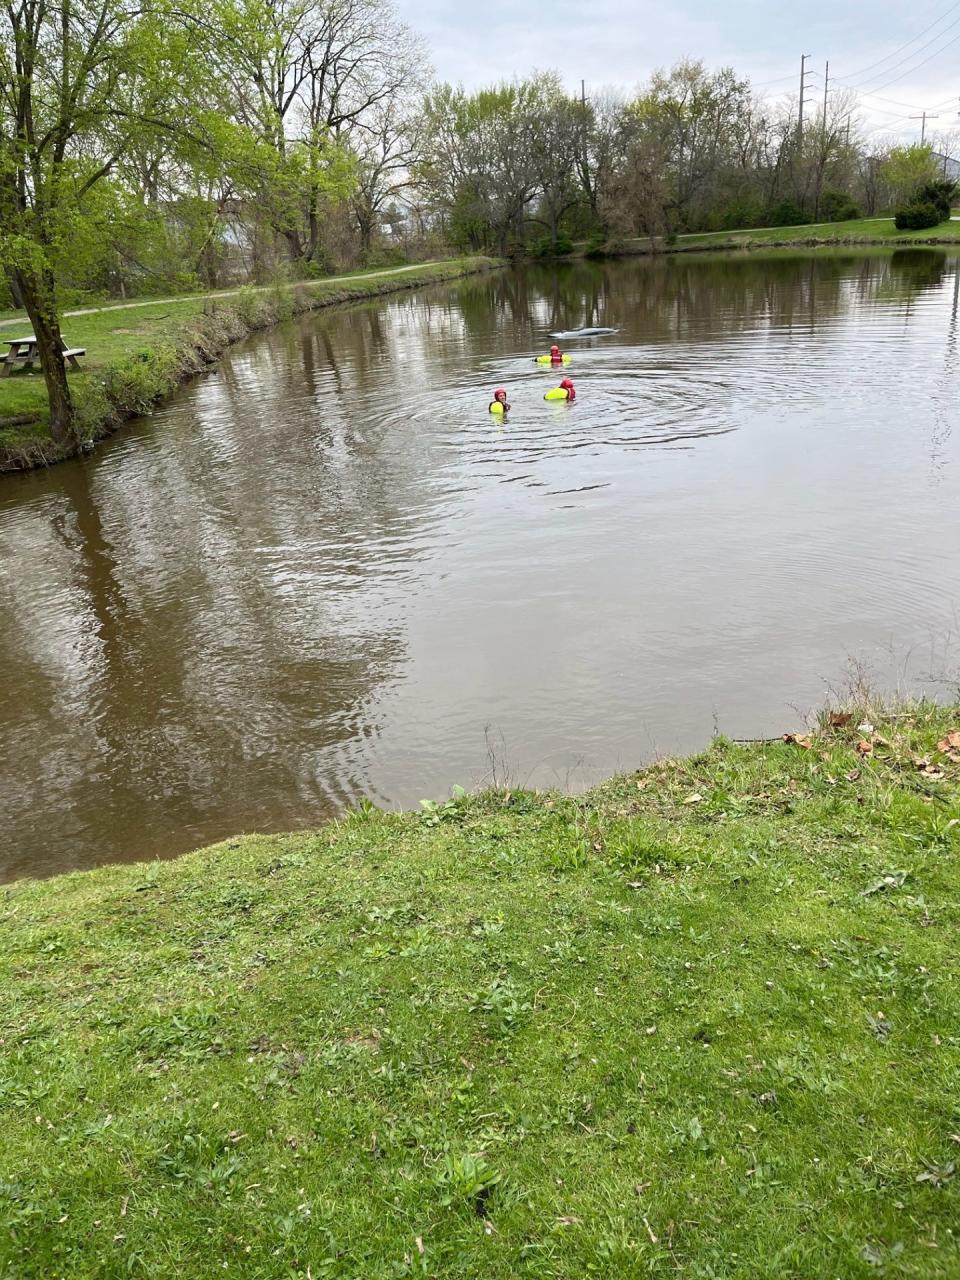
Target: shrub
[(739, 213), (940, 194), (549, 248), (837, 206), (917, 216), (786, 214)]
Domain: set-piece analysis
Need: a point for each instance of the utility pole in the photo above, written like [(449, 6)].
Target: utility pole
[(803, 84), (923, 127)]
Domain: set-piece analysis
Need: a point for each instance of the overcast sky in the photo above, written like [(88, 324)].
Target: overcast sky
[(619, 42)]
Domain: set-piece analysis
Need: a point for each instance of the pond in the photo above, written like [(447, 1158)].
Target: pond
[(325, 572)]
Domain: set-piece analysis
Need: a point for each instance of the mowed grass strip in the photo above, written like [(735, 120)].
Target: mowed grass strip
[(704, 1021), (863, 230)]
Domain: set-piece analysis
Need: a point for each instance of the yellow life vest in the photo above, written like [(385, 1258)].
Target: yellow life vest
[(557, 393), (564, 359), (497, 407)]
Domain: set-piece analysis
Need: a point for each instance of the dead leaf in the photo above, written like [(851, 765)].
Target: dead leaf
[(696, 798), (951, 742), (853, 775), (419, 1244), (568, 1220), (798, 740), (864, 748), (840, 719)]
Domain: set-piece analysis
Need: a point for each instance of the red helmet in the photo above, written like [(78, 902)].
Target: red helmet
[(500, 394), (567, 384), (554, 348)]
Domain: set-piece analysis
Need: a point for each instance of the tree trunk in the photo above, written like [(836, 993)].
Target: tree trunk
[(294, 244), (208, 263), (38, 300), (365, 227)]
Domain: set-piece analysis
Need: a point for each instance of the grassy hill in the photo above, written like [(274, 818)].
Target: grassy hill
[(704, 1021)]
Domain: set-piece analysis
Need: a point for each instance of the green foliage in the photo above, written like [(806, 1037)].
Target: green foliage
[(787, 213), (488, 152), (917, 216), (596, 245), (686, 124), (468, 1180), (837, 206), (738, 213), (905, 169), (547, 247), (940, 194)]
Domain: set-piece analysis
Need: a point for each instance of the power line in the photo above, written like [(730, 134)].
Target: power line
[(760, 84), (910, 70), (936, 53), (907, 106), (870, 65)]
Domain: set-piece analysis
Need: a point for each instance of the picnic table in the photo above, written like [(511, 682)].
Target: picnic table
[(24, 351)]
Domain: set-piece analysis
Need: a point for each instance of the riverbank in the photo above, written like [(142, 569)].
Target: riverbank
[(139, 352), (700, 1020)]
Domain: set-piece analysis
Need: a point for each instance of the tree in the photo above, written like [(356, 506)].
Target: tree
[(598, 151), (388, 145), (905, 169), (557, 142), (691, 116), (479, 160), (79, 83), (305, 76)]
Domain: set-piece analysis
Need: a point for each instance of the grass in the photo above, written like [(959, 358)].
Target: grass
[(702, 1021), (865, 230), (137, 353)]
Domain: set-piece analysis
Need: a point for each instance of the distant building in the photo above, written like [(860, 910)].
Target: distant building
[(949, 167)]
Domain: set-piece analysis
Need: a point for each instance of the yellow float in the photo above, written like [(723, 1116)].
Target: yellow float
[(565, 391)]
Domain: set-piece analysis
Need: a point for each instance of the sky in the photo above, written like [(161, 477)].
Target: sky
[(901, 58)]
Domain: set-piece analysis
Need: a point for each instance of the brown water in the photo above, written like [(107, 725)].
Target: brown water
[(324, 572)]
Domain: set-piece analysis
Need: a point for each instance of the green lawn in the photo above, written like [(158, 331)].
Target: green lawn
[(109, 337), (704, 1021), (859, 229)]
